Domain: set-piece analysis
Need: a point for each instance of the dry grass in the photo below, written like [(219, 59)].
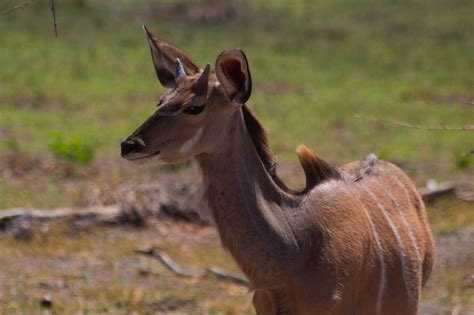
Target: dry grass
[(96, 271)]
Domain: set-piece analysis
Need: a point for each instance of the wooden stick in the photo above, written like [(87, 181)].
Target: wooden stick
[(407, 125), (227, 276), (465, 196), (172, 266), (20, 6), (442, 189), (103, 213)]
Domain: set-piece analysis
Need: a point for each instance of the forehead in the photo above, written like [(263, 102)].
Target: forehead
[(175, 99)]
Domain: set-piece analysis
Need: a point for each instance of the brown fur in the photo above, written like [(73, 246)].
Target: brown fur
[(259, 136), (315, 169), (355, 241), (366, 166)]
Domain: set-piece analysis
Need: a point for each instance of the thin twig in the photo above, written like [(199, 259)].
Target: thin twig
[(53, 10), (20, 6), (172, 266), (407, 125), (227, 276)]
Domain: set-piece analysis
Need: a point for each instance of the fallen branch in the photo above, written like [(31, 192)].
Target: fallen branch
[(131, 206), (172, 266), (21, 223), (431, 193), (104, 213), (465, 196), (407, 125), (227, 276), (20, 6)]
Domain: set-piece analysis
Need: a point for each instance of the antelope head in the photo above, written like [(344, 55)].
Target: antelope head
[(194, 115)]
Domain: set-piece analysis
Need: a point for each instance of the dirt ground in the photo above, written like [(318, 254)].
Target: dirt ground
[(79, 266), (65, 269)]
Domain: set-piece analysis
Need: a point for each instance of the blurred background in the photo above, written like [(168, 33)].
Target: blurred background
[(335, 75)]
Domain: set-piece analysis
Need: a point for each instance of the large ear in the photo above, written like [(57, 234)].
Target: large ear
[(233, 73), (164, 57)]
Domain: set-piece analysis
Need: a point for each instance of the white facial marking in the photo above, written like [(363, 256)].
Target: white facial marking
[(190, 143), (140, 141)]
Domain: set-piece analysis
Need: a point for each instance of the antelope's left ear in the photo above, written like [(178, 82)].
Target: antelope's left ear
[(170, 62), (233, 72)]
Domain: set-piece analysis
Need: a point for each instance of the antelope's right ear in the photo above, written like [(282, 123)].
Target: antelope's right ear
[(233, 72), (164, 57)]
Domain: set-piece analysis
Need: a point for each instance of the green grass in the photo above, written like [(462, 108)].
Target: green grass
[(314, 66)]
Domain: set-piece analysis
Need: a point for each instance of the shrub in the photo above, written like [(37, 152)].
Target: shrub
[(75, 148), (11, 144), (464, 161)]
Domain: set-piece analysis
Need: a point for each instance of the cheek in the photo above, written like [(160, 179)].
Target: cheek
[(189, 144)]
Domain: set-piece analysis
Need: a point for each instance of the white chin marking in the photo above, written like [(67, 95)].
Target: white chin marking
[(189, 144)]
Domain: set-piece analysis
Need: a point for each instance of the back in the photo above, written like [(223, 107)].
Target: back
[(374, 209), (399, 223)]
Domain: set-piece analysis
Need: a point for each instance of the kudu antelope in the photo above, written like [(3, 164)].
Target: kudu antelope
[(355, 240)]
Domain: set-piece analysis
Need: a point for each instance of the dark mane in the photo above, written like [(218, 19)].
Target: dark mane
[(316, 170), (259, 136)]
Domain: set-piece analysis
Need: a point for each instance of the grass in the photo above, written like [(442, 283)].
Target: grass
[(448, 215), (386, 59), (95, 83)]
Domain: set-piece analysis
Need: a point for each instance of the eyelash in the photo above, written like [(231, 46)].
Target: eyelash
[(194, 110)]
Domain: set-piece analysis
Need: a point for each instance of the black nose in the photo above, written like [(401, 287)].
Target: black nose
[(128, 146)]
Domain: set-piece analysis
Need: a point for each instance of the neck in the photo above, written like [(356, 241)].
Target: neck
[(252, 213)]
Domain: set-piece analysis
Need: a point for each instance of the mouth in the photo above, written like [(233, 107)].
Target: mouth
[(134, 157)]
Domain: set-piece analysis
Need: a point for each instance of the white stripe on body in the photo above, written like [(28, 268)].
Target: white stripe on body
[(380, 253), (412, 237), (400, 244)]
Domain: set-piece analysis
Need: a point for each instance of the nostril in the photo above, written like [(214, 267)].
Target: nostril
[(127, 146)]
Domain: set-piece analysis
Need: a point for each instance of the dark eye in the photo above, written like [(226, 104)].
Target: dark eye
[(194, 110)]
